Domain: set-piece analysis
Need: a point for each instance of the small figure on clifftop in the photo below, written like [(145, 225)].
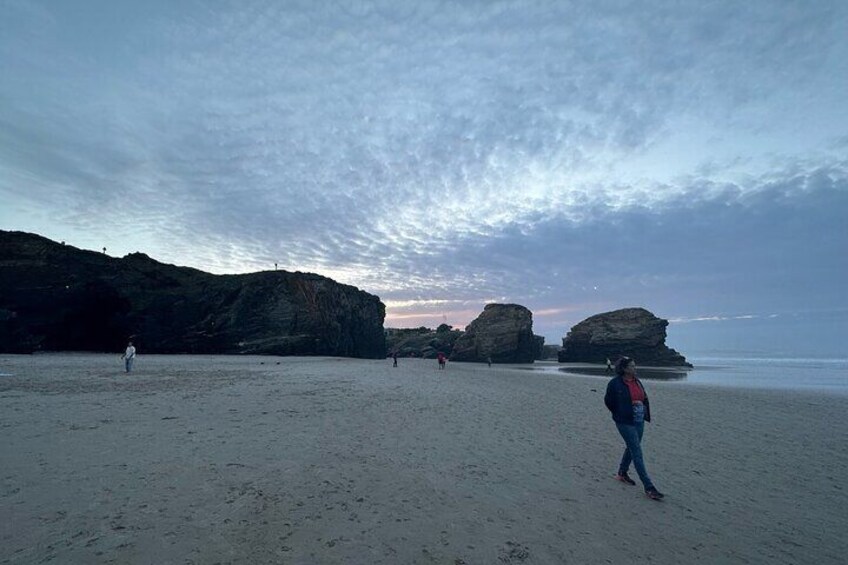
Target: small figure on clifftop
[(442, 360), (627, 400), (394, 359), (129, 357)]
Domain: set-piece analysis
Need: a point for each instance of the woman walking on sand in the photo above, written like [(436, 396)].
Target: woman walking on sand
[(628, 402)]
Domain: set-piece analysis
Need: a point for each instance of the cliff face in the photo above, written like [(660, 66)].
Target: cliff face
[(57, 297), (550, 352), (421, 342), (503, 332), (634, 332)]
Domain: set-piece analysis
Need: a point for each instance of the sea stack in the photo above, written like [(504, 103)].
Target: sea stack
[(634, 332), (503, 332)]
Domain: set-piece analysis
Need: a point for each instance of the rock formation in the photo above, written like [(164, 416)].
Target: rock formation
[(550, 352), (421, 342), (503, 332), (539, 345), (57, 297), (634, 332)]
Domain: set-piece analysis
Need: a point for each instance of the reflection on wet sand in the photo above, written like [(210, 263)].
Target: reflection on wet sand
[(658, 373), (651, 373)]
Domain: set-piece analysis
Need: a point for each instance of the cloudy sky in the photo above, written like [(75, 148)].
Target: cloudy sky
[(574, 157)]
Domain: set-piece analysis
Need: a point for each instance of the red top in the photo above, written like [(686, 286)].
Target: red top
[(637, 394)]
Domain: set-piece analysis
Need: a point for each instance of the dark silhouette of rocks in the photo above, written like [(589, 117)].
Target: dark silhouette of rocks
[(539, 346), (422, 342), (56, 297), (634, 332), (550, 352), (504, 333)]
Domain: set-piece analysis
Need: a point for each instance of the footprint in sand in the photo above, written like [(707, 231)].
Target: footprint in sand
[(513, 552)]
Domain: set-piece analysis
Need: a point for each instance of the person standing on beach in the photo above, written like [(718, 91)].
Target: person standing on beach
[(129, 357), (609, 365), (394, 358), (627, 401), (489, 361), (441, 358)]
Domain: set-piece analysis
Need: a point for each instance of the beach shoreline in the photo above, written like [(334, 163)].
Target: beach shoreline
[(326, 460)]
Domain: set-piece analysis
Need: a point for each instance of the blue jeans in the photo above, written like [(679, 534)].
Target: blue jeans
[(128, 362), (632, 434)]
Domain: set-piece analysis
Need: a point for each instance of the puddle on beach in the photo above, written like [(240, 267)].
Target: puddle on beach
[(650, 373)]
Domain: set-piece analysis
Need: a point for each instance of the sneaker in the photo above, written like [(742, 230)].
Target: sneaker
[(624, 478), (654, 494)]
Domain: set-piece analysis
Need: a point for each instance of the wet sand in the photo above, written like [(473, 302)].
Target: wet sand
[(198, 459)]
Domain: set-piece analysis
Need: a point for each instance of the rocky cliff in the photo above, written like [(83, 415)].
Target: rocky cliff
[(634, 332), (421, 342), (503, 332), (57, 297), (550, 352)]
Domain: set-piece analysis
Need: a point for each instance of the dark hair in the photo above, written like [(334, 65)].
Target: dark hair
[(621, 364)]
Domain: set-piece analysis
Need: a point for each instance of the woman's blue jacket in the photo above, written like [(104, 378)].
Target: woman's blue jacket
[(618, 401)]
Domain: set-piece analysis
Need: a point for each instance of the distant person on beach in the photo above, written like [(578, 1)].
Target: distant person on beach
[(129, 357), (441, 358), (394, 359), (489, 361), (627, 401), (609, 365)]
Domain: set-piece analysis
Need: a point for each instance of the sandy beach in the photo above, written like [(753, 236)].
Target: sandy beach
[(197, 459)]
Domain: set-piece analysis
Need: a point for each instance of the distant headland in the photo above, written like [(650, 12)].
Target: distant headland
[(56, 297)]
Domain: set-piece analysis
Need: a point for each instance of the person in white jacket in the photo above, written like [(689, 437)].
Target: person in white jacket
[(129, 356)]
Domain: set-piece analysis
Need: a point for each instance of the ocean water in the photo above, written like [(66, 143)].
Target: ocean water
[(825, 374), (818, 374)]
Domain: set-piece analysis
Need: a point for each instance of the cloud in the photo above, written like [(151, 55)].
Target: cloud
[(717, 318), (772, 244)]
